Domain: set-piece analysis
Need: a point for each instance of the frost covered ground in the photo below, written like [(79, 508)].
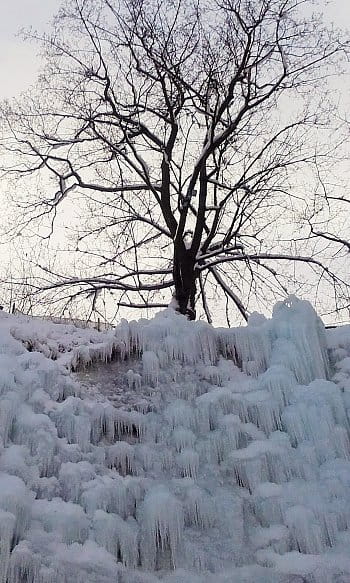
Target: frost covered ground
[(197, 455)]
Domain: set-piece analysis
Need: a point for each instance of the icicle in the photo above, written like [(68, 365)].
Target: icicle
[(64, 417), (97, 494), (268, 506), (199, 508), (46, 488), (121, 456), (16, 499), (222, 398), (297, 322), (261, 461), (279, 381), (162, 356), (230, 435), (134, 380), (102, 418), (82, 431), (129, 424), (182, 438), (264, 411), (306, 462), (47, 575), (117, 536), (212, 374), (188, 463), (146, 457), (69, 452), (305, 531), (208, 343), (24, 564), (9, 407), (180, 413), (130, 378), (207, 412), (105, 493), (167, 458), (71, 477), (161, 518), (7, 531), (341, 442), (150, 370), (172, 348), (7, 380), (250, 347), (249, 467)]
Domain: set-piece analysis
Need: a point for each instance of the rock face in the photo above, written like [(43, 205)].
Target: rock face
[(201, 455)]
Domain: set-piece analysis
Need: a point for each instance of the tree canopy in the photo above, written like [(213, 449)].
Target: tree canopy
[(186, 138)]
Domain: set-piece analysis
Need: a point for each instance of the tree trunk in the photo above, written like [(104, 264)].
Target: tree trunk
[(185, 281)]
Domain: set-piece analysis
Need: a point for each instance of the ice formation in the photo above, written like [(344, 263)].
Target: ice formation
[(211, 456)]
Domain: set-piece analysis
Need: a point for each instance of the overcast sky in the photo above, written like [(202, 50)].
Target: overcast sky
[(18, 59), (19, 62)]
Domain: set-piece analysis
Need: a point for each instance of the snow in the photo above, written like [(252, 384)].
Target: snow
[(175, 452)]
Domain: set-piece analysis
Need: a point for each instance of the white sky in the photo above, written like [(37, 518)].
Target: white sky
[(19, 62)]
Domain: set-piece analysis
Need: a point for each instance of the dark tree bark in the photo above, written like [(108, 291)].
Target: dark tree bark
[(185, 276)]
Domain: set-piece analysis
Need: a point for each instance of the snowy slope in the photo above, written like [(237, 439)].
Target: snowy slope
[(198, 456)]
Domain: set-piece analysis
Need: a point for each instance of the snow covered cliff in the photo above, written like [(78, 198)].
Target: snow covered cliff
[(198, 456)]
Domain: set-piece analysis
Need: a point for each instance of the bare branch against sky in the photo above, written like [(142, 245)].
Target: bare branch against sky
[(19, 61), (265, 149)]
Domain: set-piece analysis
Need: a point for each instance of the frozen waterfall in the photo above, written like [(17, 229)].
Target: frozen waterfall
[(199, 455)]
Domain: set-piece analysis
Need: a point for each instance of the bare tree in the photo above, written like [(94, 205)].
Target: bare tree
[(176, 128)]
